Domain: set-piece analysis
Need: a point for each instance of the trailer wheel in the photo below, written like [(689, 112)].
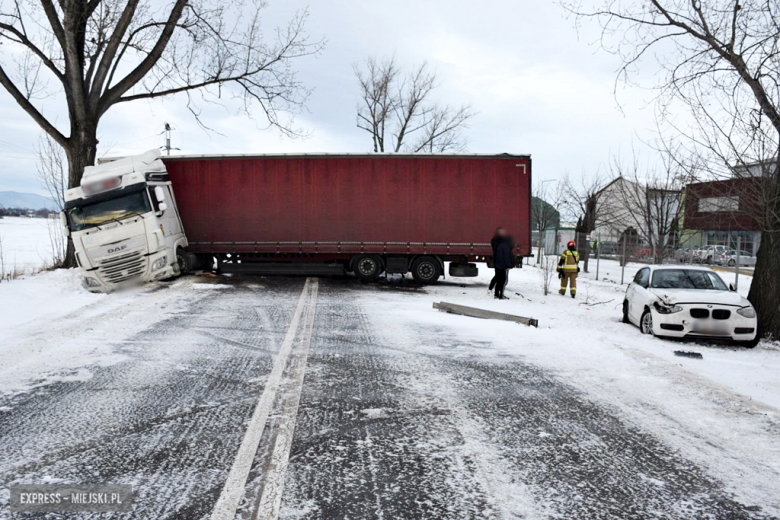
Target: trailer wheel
[(426, 270), (367, 268)]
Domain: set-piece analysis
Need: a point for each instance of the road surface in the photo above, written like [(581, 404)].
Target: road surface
[(281, 398)]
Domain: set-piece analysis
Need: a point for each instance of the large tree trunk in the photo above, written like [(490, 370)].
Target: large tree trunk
[(763, 289), (81, 152)]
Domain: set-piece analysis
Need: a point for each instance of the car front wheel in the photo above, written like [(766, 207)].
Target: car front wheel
[(625, 312), (646, 324), (748, 344)]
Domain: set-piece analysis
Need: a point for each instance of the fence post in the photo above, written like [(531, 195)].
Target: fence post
[(598, 254), (736, 267), (623, 263)]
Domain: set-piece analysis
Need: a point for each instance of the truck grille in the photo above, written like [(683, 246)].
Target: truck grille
[(121, 268)]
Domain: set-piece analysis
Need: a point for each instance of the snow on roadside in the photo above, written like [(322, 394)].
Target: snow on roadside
[(45, 296), (43, 319), (722, 412)]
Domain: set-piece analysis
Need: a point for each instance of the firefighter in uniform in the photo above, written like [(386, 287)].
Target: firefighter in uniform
[(568, 267)]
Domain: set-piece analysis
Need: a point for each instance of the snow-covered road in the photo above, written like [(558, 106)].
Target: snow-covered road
[(381, 407)]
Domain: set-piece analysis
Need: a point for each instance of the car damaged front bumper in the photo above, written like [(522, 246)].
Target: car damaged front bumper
[(704, 321)]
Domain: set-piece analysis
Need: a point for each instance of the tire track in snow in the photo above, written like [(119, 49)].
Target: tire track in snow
[(575, 457), (167, 420), (366, 445), (232, 491)]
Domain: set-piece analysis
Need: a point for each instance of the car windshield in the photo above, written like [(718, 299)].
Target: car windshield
[(687, 279), (98, 213)]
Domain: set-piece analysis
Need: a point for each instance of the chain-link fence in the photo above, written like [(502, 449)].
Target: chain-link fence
[(628, 246)]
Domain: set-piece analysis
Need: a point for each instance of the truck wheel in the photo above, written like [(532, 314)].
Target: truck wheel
[(181, 262), (206, 262), (367, 268), (426, 270)]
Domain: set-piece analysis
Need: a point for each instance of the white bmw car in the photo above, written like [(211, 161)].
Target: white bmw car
[(688, 302)]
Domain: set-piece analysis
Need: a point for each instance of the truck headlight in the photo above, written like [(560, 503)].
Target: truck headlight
[(160, 263), (91, 282), (748, 312), (667, 309)]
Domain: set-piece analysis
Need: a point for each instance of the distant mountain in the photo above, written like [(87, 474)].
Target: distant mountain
[(14, 199)]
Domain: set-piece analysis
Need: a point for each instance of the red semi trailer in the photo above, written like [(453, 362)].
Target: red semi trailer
[(366, 214), (148, 217)]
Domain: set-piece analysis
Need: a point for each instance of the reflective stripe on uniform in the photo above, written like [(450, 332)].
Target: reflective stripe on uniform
[(570, 260)]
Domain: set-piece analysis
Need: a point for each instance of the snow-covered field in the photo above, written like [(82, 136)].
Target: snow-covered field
[(26, 243)]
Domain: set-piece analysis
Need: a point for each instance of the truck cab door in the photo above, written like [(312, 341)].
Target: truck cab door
[(169, 220)]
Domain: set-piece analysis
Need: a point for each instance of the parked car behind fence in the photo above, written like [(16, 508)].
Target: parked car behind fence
[(729, 258)]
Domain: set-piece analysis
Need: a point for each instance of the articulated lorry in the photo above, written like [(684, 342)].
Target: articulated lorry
[(148, 217)]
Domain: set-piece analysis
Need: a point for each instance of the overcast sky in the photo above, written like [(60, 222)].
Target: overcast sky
[(538, 86)]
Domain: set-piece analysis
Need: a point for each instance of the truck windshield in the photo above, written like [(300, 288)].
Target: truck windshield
[(687, 279), (103, 212)]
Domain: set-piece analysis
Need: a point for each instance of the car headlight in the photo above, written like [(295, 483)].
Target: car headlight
[(667, 309), (91, 282), (748, 312), (160, 263)]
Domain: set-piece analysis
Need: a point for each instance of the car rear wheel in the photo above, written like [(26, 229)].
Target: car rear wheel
[(646, 323), (732, 263), (625, 312)]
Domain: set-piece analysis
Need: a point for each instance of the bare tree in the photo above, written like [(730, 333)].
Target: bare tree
[(99, 53), (52, 172), (52, 169), (398, 113), (720, 59), (543, 212), (650, 201), (581, 200), (548, 270)]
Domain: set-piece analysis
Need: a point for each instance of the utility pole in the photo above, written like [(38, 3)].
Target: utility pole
[(167, 147)]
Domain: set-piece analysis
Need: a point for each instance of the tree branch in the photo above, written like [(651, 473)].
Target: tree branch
[(30, 109)]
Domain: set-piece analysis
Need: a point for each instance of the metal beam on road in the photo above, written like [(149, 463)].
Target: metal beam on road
[(482, 313)]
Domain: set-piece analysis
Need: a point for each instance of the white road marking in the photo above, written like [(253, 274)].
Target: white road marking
[(273, 485), (226, 506)]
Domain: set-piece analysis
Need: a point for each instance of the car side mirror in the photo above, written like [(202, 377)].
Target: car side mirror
[(159, 194), (732, 288), (64, 220)]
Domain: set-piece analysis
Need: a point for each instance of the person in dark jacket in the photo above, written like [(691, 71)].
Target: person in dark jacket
[(494, 243), (504, 261)]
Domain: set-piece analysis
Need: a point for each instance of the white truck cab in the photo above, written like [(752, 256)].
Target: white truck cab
[(125, 224)]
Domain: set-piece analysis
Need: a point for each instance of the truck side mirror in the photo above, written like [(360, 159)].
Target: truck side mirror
[(159, 194), (163, 206), (64, 220)]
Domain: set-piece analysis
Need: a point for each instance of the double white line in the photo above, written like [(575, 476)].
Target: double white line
[(271, 499)]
